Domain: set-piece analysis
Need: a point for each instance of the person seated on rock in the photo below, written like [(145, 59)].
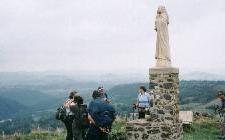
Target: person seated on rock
[(143, 102), (101, 115)]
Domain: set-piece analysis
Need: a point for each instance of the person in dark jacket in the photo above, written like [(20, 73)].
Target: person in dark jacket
[(97, 130), (80, 119)]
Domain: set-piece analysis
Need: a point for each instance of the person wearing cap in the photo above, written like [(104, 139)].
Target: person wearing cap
[(95, 108), (103, 94), (221, 96)]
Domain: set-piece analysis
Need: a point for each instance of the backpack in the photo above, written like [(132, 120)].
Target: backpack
[(104, 119), (81, 120), (61, 113)]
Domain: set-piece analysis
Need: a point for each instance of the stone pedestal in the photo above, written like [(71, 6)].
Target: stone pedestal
[(163, 123)]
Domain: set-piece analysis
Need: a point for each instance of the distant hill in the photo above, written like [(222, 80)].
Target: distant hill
[(9, 108), (39, 91), (26, 97), (201, 92), (45, 91), (210, 104), (84, 80), (33, 98), (202, 76), (44, 80)]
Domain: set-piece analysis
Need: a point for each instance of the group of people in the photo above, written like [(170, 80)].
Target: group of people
[(92, 122)]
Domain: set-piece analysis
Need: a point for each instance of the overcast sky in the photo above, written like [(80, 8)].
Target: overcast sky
[(108, 35)]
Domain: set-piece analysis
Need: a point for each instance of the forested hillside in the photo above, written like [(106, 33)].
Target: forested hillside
[(10, 108), (199, 91), (190, 91), (29, 106)]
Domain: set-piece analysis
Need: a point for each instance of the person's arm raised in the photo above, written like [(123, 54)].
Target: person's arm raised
[(68, 102)]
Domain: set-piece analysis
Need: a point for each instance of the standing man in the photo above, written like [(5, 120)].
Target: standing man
[(143, 102), (101, 115), (221, 96)]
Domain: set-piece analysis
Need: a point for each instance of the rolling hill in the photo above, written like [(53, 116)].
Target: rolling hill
[(9, 108), (200, 92)]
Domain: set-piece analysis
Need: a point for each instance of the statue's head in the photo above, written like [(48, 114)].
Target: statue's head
[(162, 13), (161, 10)]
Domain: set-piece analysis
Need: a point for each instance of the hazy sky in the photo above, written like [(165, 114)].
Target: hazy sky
[(108, 35)]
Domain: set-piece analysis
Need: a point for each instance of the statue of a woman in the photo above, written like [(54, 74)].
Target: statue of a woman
[(162, 56)]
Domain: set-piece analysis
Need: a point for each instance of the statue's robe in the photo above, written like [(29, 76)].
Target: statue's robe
[(162, 44)]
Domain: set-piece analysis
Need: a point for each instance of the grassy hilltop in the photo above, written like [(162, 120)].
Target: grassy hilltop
[(201, 129)]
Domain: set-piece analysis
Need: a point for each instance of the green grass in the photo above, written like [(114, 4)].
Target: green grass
[(118, 130), (202, 129), (39, 135)]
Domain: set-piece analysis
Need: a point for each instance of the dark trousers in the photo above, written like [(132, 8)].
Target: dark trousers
[(95, 133), (222, 126), (68, 123), (79, 134), (141, 113)]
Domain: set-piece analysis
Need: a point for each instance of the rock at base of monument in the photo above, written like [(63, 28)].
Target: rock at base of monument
[(144, 130)]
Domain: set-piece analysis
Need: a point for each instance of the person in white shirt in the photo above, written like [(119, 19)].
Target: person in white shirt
[(69, 114), (143, 101)]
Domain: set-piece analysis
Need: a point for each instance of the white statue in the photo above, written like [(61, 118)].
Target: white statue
[(162, 56)]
